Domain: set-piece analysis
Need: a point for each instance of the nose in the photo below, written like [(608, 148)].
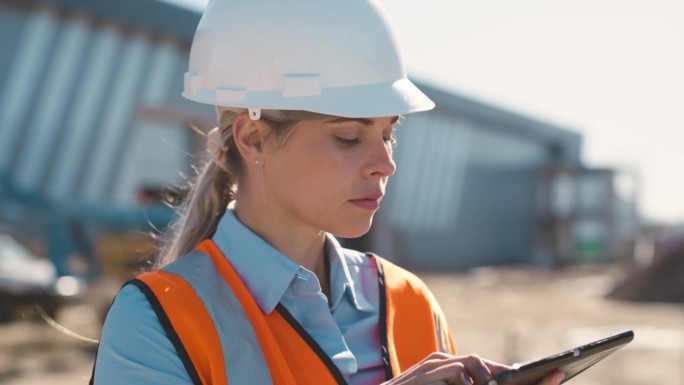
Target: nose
[(380, 162)]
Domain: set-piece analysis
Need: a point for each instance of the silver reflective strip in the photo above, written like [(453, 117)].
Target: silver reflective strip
[(242, 355), (442, 331)]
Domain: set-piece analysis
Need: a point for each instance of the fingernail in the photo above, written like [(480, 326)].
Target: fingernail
[(560, 376)]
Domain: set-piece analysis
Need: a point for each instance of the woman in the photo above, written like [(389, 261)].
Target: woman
[(253, 287)]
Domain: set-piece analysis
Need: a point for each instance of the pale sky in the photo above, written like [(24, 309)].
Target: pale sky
[(612, 70)]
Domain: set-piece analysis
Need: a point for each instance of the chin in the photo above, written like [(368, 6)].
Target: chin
[(352, 231)]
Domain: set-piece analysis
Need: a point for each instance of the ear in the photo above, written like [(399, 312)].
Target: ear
[(249, 136)]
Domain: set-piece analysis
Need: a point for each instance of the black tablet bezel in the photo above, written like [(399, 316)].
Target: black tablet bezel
[(572, 362)]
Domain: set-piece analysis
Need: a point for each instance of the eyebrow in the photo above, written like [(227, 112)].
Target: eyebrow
[(364, 121)]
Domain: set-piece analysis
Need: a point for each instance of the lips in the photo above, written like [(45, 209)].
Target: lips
[(368, 202)]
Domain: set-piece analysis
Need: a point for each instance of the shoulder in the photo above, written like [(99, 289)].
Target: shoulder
[(131, 316), (130, 303), (396, 277), (120, 359), (400, 278)]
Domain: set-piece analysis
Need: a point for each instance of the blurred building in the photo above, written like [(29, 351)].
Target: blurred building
[(465, 192), (585, 215), (90, 108), (91, 120)]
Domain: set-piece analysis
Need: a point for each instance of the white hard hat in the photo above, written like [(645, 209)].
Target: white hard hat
[(335, 57)]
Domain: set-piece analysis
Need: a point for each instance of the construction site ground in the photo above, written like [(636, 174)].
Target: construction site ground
[(505, 314)]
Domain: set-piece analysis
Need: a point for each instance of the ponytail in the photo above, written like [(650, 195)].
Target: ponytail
[(216, 183), (211, 191)]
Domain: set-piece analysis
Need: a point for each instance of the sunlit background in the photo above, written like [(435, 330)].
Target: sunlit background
[(541, 200), (611, 70)]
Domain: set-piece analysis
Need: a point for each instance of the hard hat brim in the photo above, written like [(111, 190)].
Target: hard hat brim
[(400, 97)]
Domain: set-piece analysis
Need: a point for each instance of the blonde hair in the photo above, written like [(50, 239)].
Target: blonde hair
[(215, 185)]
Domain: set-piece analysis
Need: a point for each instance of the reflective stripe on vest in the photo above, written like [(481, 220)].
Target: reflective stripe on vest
[(226, 338), (204, 299)]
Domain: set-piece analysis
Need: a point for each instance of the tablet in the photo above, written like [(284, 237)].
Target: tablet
[(572, 362)]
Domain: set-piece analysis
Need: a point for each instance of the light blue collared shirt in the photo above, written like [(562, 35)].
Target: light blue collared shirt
[(134, 348)]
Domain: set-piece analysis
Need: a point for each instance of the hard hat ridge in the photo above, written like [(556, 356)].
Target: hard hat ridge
[(327, 56)]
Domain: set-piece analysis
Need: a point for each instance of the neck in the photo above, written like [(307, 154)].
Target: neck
[(302, 244)]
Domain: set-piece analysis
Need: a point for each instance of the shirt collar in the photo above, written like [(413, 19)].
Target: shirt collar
[(267, 273), (344, 280)]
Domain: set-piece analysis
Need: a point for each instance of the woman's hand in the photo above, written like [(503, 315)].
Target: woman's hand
[(445, 369)]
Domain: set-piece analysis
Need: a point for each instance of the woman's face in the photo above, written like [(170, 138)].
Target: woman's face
[(330, 174)]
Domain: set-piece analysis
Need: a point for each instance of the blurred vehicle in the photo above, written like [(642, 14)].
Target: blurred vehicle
[(26, 279)]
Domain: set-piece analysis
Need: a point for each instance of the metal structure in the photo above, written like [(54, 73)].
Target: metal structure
[(91, 116)]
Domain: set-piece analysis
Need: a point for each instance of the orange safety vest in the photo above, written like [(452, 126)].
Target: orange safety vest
[(215, 345)]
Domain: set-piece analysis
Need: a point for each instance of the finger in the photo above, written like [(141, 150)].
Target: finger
[(554, 378), (495, 367), (433, 370), (463, 380), (452, 373), (437, 356), (477, 368)]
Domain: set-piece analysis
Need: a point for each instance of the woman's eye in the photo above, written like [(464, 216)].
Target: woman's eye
[(347, 141), (391, 140)]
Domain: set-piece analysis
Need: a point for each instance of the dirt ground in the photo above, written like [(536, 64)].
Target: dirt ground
[(506, 314)]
